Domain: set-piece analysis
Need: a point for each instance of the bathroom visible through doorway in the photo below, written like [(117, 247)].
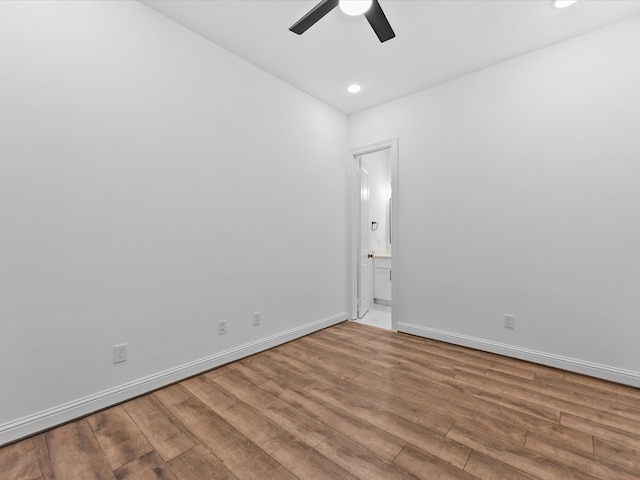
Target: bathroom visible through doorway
[(375, 234)]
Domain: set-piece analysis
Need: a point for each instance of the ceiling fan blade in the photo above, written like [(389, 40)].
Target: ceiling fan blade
[(378, 21), (315, 14)]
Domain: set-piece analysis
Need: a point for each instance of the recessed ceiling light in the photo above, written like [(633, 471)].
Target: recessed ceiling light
[(354, 88), (355, 7), (563, 3)]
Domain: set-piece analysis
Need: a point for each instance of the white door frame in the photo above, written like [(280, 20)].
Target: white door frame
[(356, 153)]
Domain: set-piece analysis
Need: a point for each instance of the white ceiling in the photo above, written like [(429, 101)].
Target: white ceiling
[(436, 40)]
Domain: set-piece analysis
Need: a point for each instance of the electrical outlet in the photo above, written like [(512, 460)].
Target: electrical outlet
[(509, 321), (120, 353), (256, 319), (222, 327)]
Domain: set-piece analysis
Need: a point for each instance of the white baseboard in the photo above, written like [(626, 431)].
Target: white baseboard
[(605, 372), (45, 419)]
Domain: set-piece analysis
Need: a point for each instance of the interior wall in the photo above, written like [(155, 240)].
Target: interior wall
[(150, 188), (519, 195)]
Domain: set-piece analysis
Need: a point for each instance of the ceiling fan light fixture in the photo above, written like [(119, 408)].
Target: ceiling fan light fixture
[(354, 88), (564, 3), (355, 7), (370, 8)]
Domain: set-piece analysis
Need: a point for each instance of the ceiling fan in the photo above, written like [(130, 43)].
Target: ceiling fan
[(370, 8)]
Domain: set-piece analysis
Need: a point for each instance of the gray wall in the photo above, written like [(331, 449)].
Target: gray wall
[(151, 185), (518, 194)]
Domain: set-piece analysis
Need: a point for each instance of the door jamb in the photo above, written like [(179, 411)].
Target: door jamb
[(356, 153)]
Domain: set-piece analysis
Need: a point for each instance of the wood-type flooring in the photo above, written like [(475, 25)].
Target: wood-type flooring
[(353, 402)]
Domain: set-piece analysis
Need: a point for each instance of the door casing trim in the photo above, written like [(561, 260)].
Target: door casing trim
[(393, 146)]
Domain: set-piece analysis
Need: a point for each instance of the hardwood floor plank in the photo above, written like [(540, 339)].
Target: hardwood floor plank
[(272, 369), (487, 468), (436, 444), (603, 385), (501, 422), (515, 456), (75, 453), (434, 421), (491, 361), (359, 359), (20, 460), (198, 463), (421, 415), (605, 432), (301, 426), (119, 437), (262, 431), (385, 398), (329, 361), (560, 397), (489, 393), (346, 338), (209, 392), (281, 355), (360, 461), (44, 459), (263, 467), (601, 468), (300, 353), (438, 420), (168, 436), (370, 336), (243, 368), (494, 414), (363, 403), (375, 439), (306, 463), (617, 453), (268, 369), (412, 356), (172, 395), (427, 467), (455, 389), (225, 442), (587, 393), (551, 373), (147, 467), (629, 422), (448, 355), (244, 378), (448, 367), (339, 335), (316, 350)]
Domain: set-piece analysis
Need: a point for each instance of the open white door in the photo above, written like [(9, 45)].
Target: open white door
[(365, 274)]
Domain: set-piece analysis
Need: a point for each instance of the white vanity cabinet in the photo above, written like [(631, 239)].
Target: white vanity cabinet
[(382, 279)]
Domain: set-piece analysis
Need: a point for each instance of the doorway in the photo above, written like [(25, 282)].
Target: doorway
[(375, 234)]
